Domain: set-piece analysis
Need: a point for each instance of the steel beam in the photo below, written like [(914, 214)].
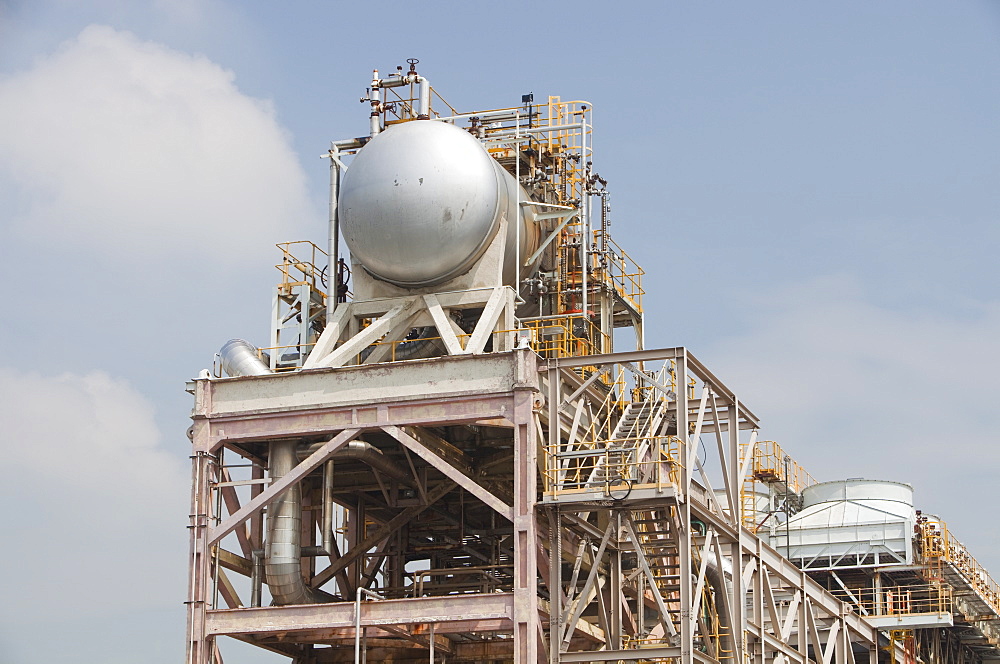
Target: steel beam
[(493, 609)]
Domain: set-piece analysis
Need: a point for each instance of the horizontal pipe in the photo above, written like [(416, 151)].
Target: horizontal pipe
[(391, 82), (367, 454), (423, 109), (350, 143)]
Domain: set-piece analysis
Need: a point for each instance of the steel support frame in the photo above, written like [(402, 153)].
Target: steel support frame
[(774, 611), (254, 409), (594, 608)]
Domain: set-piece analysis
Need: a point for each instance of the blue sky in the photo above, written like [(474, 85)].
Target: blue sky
[(812, 189)]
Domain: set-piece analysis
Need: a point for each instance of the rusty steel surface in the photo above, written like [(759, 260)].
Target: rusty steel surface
[(458, 613)]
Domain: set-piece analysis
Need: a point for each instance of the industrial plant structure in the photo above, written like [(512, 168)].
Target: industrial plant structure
[(441, 456)]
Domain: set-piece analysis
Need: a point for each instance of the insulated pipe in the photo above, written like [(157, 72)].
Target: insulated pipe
[(424, 96), (717, 579), (327, 525), (355, 449), (367, 454), (283, 550), (351, 143), (239, 358), (376, 99)]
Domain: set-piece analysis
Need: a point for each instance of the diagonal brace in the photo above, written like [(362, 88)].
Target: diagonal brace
[(641, 556), (484, 328), (450, 471), (365, 337), (390, 526), (273, 492)]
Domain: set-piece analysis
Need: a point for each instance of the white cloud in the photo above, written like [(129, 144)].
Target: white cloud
[(135, 149), (95, 509), (852, 389)]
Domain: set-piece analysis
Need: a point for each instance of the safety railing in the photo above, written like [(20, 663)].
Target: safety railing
[(462, 580), (902, 640), (711, 643), (613, 467), (899, 601), (556, 132), (290, 357), (769, 467), (607, 415), (645, 388), (301, 267), (402, 106), (771, 464), (570, 336), (937, 547), (566, 336), (621, 273)]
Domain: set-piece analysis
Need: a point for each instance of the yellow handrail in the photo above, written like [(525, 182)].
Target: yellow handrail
[(936, 546)]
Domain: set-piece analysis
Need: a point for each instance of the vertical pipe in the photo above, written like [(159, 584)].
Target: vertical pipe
[(788, 513), (357, 627), (357, 567), (328, 507), (526, 622), (879, 606), (684, 513), (256, 578), (283, 546), (555, 581), (584, 219), (199, 644), (641, 604), (517, 197), (275, 330), (304, 296), (333, 239), (216, 518), (257, 520), (376, 100), (737, 606), (615, 586), (424, 104)]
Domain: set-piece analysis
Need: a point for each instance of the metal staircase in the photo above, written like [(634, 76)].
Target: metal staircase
[(629, 443)]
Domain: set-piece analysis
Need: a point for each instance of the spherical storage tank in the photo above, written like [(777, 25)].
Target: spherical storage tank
[(422, 201)]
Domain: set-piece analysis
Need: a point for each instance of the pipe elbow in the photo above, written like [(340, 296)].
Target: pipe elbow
[(240, 358)]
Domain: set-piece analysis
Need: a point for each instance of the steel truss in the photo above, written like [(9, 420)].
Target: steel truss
[(498, 508)]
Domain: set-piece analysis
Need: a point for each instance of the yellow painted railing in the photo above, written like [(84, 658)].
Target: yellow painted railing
[(300, 268), (937, 546), (906, 600), (614, 467), (621, 273), (567, 336), (769, 466)]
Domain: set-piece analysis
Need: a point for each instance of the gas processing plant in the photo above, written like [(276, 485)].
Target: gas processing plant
[(440, 456)]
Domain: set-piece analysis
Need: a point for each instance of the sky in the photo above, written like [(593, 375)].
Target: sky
[(811, 187)]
